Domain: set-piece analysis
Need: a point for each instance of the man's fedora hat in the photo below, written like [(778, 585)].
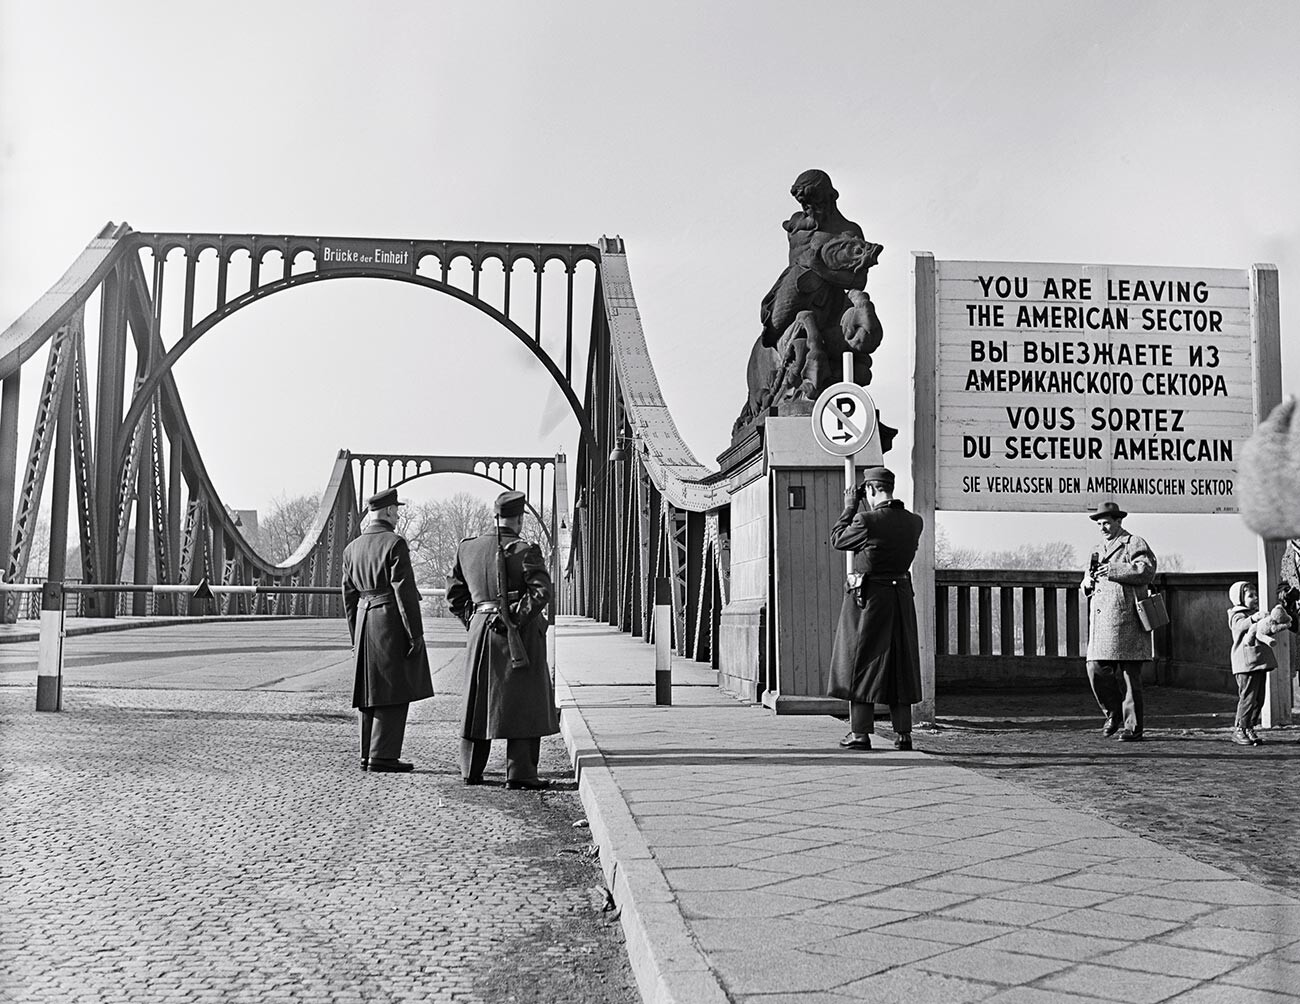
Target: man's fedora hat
[(1108, 510), (382, 500)]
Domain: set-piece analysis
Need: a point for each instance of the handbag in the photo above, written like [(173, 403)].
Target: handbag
[(1151, 611)]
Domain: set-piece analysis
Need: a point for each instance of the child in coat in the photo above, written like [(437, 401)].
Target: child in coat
[(1252, 655)]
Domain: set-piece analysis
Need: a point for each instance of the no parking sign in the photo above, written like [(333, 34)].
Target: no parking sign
[(844, 419)]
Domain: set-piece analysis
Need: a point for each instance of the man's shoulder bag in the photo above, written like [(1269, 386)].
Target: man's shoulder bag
[(1151, 611)]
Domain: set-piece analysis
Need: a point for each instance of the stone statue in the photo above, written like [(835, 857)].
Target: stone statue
[(817, 308)]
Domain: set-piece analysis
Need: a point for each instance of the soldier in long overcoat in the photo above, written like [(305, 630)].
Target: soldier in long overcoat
[(383, 611), (1119, 571), (499, 587), (876, 657)]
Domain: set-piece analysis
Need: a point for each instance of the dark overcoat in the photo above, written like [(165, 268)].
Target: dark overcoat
[(876, 658), (501, 702), (383, 609), (1115, 634), (1288, 583)]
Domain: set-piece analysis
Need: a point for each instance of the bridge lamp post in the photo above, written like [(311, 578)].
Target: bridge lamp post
[(618, 454)]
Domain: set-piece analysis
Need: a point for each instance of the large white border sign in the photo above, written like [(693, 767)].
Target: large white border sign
[(1062, 385)]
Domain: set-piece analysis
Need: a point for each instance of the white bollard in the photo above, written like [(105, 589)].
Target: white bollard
[(49, 658), (663, 642)]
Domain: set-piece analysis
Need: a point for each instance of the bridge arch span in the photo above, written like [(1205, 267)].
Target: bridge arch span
[(511, 474), (161, 368)]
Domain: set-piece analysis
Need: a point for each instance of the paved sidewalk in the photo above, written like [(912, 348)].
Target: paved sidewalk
[(755, 862)]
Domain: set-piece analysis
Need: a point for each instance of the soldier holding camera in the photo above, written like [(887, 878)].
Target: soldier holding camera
[(876, 657), (500, 588)]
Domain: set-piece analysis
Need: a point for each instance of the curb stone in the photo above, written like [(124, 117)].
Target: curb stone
[(668, 964)]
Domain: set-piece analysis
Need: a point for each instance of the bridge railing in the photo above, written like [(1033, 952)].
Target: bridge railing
[(262, 600), (1002, 628), (1013, 628)]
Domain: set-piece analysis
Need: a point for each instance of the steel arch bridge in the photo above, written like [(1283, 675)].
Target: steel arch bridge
[(119, 442)]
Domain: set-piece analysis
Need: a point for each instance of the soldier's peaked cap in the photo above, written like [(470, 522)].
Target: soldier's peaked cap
[(382, 500), (510, 504), (878, 475)]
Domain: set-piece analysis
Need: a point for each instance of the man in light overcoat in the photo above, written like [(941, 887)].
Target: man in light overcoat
[(1119, 571), (876, 656), (500, 587), (383, 611)]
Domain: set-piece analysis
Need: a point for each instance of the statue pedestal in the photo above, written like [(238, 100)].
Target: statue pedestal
[(786, 582)]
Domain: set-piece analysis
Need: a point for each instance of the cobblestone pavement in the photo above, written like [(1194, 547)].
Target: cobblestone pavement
[(167, 843), (1186, 786)]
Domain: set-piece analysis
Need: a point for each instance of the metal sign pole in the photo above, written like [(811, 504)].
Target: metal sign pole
[(850, 467)]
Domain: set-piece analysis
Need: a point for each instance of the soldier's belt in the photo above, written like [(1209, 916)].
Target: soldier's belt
[(893, 580), (491, 606)]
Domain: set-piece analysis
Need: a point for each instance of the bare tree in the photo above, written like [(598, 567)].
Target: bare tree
[(947, 555), (1055, 555), (435, 528), (285, 526), (1050, 556)]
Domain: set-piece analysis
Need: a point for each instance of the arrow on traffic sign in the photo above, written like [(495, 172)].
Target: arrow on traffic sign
[(847, 407)]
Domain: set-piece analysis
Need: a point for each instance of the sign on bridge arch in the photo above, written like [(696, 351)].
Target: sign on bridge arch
[(397, 256), (1059, 385)]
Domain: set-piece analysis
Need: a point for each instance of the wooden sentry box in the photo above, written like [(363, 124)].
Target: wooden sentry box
[(787, 581)]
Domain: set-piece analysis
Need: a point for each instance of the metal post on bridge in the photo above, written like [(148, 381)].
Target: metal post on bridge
[(49, 658), (663, 641)]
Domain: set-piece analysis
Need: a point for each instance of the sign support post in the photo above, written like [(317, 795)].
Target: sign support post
[(925, 368), (850, 465), (1266, 388)]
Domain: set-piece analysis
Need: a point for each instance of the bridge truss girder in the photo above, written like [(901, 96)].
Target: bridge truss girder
[(656, 514), (129, 454)]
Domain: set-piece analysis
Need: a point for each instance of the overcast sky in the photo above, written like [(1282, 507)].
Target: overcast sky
[(1129, 133)]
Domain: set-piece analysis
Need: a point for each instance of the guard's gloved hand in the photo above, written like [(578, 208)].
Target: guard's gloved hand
[(417, 643)]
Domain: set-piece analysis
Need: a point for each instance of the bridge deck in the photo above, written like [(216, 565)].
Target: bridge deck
[(1020, 852)]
